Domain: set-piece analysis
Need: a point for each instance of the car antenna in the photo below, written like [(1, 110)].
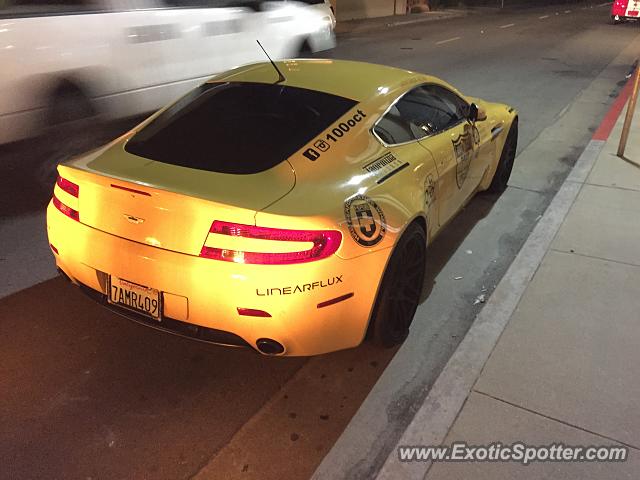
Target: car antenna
[(281, 77)]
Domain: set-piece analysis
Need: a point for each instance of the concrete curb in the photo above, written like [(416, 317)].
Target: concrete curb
[(373, 432), (352, 27), (446, 398), (449, 393)]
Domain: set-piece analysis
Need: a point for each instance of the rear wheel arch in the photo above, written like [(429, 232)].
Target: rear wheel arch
[(68, 96), (421, 221), (378, 329), (63, 133), (305, 49), (504, 166)]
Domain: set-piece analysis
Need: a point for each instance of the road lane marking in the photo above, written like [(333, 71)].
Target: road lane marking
[(605, 4), (543, 17), (567, 11), (453, 39), (507, 25)]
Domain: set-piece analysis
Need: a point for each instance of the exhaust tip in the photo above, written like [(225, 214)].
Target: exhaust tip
[(269, 347)]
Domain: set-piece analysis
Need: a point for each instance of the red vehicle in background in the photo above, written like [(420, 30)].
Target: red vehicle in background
[(625, 10)]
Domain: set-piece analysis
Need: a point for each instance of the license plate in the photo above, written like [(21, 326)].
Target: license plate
[(633, 13), (135, 297)]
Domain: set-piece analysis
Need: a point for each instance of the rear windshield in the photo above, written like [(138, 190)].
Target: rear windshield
[(239, 128)]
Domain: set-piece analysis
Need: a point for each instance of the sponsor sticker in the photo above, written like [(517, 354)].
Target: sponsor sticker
[(365, 220), (300, 288), (385, 167), (388, 162), (465, 151), (333, 136), (312, 154), (429, 190)]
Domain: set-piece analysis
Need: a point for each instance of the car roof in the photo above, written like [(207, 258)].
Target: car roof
[(358, 81)]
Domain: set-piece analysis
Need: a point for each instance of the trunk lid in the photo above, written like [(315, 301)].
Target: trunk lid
[(168, 206)]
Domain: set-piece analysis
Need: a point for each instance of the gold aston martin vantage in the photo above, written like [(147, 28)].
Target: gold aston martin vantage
[(283, 206)]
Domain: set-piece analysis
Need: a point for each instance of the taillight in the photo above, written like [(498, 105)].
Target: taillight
[(73, 190), (68, 211), (324, 243), (69, 187)]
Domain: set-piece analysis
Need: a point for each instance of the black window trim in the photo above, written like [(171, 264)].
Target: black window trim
[(388, 109)]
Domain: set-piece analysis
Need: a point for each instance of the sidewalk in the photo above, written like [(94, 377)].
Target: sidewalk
[(565, 368), (346, 27)]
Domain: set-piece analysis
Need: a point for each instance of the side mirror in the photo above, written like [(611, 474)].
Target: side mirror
[(476, 113)]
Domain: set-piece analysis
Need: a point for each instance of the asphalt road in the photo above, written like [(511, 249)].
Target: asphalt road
[(86, 394)]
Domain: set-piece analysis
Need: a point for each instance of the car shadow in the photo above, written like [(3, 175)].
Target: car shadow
[(125, 401), (451, 237)]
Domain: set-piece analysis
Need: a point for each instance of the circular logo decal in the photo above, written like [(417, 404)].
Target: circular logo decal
[(365, 220)]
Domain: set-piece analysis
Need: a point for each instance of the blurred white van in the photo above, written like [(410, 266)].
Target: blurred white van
[(323, 6), (64, 60)]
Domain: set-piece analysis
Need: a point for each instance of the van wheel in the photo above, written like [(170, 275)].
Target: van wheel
[(400, 289), (66, 132), (305, 50), (505, 164)]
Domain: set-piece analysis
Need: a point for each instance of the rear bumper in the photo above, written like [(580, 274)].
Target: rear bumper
[(201, 297), (167, 324)]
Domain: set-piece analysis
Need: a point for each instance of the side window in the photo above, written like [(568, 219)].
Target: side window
[(453, 101), (425, 110), (432, 109), (393, 128)]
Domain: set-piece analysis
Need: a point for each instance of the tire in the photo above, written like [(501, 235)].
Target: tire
[(505, 164), (66, 134), (304, 51), (615, 19), (400, 289)]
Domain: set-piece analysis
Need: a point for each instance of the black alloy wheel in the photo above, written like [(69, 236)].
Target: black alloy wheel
[(505, 164), (400, 290)]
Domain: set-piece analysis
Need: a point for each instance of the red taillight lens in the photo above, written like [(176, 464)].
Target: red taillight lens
[(69, 187), (73, 190), (252, 312), (68, 211), (325, 243)]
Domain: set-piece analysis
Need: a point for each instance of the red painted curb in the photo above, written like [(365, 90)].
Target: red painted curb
[(610, 119)]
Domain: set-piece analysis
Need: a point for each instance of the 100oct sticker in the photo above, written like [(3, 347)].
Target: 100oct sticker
[(334, 136)]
